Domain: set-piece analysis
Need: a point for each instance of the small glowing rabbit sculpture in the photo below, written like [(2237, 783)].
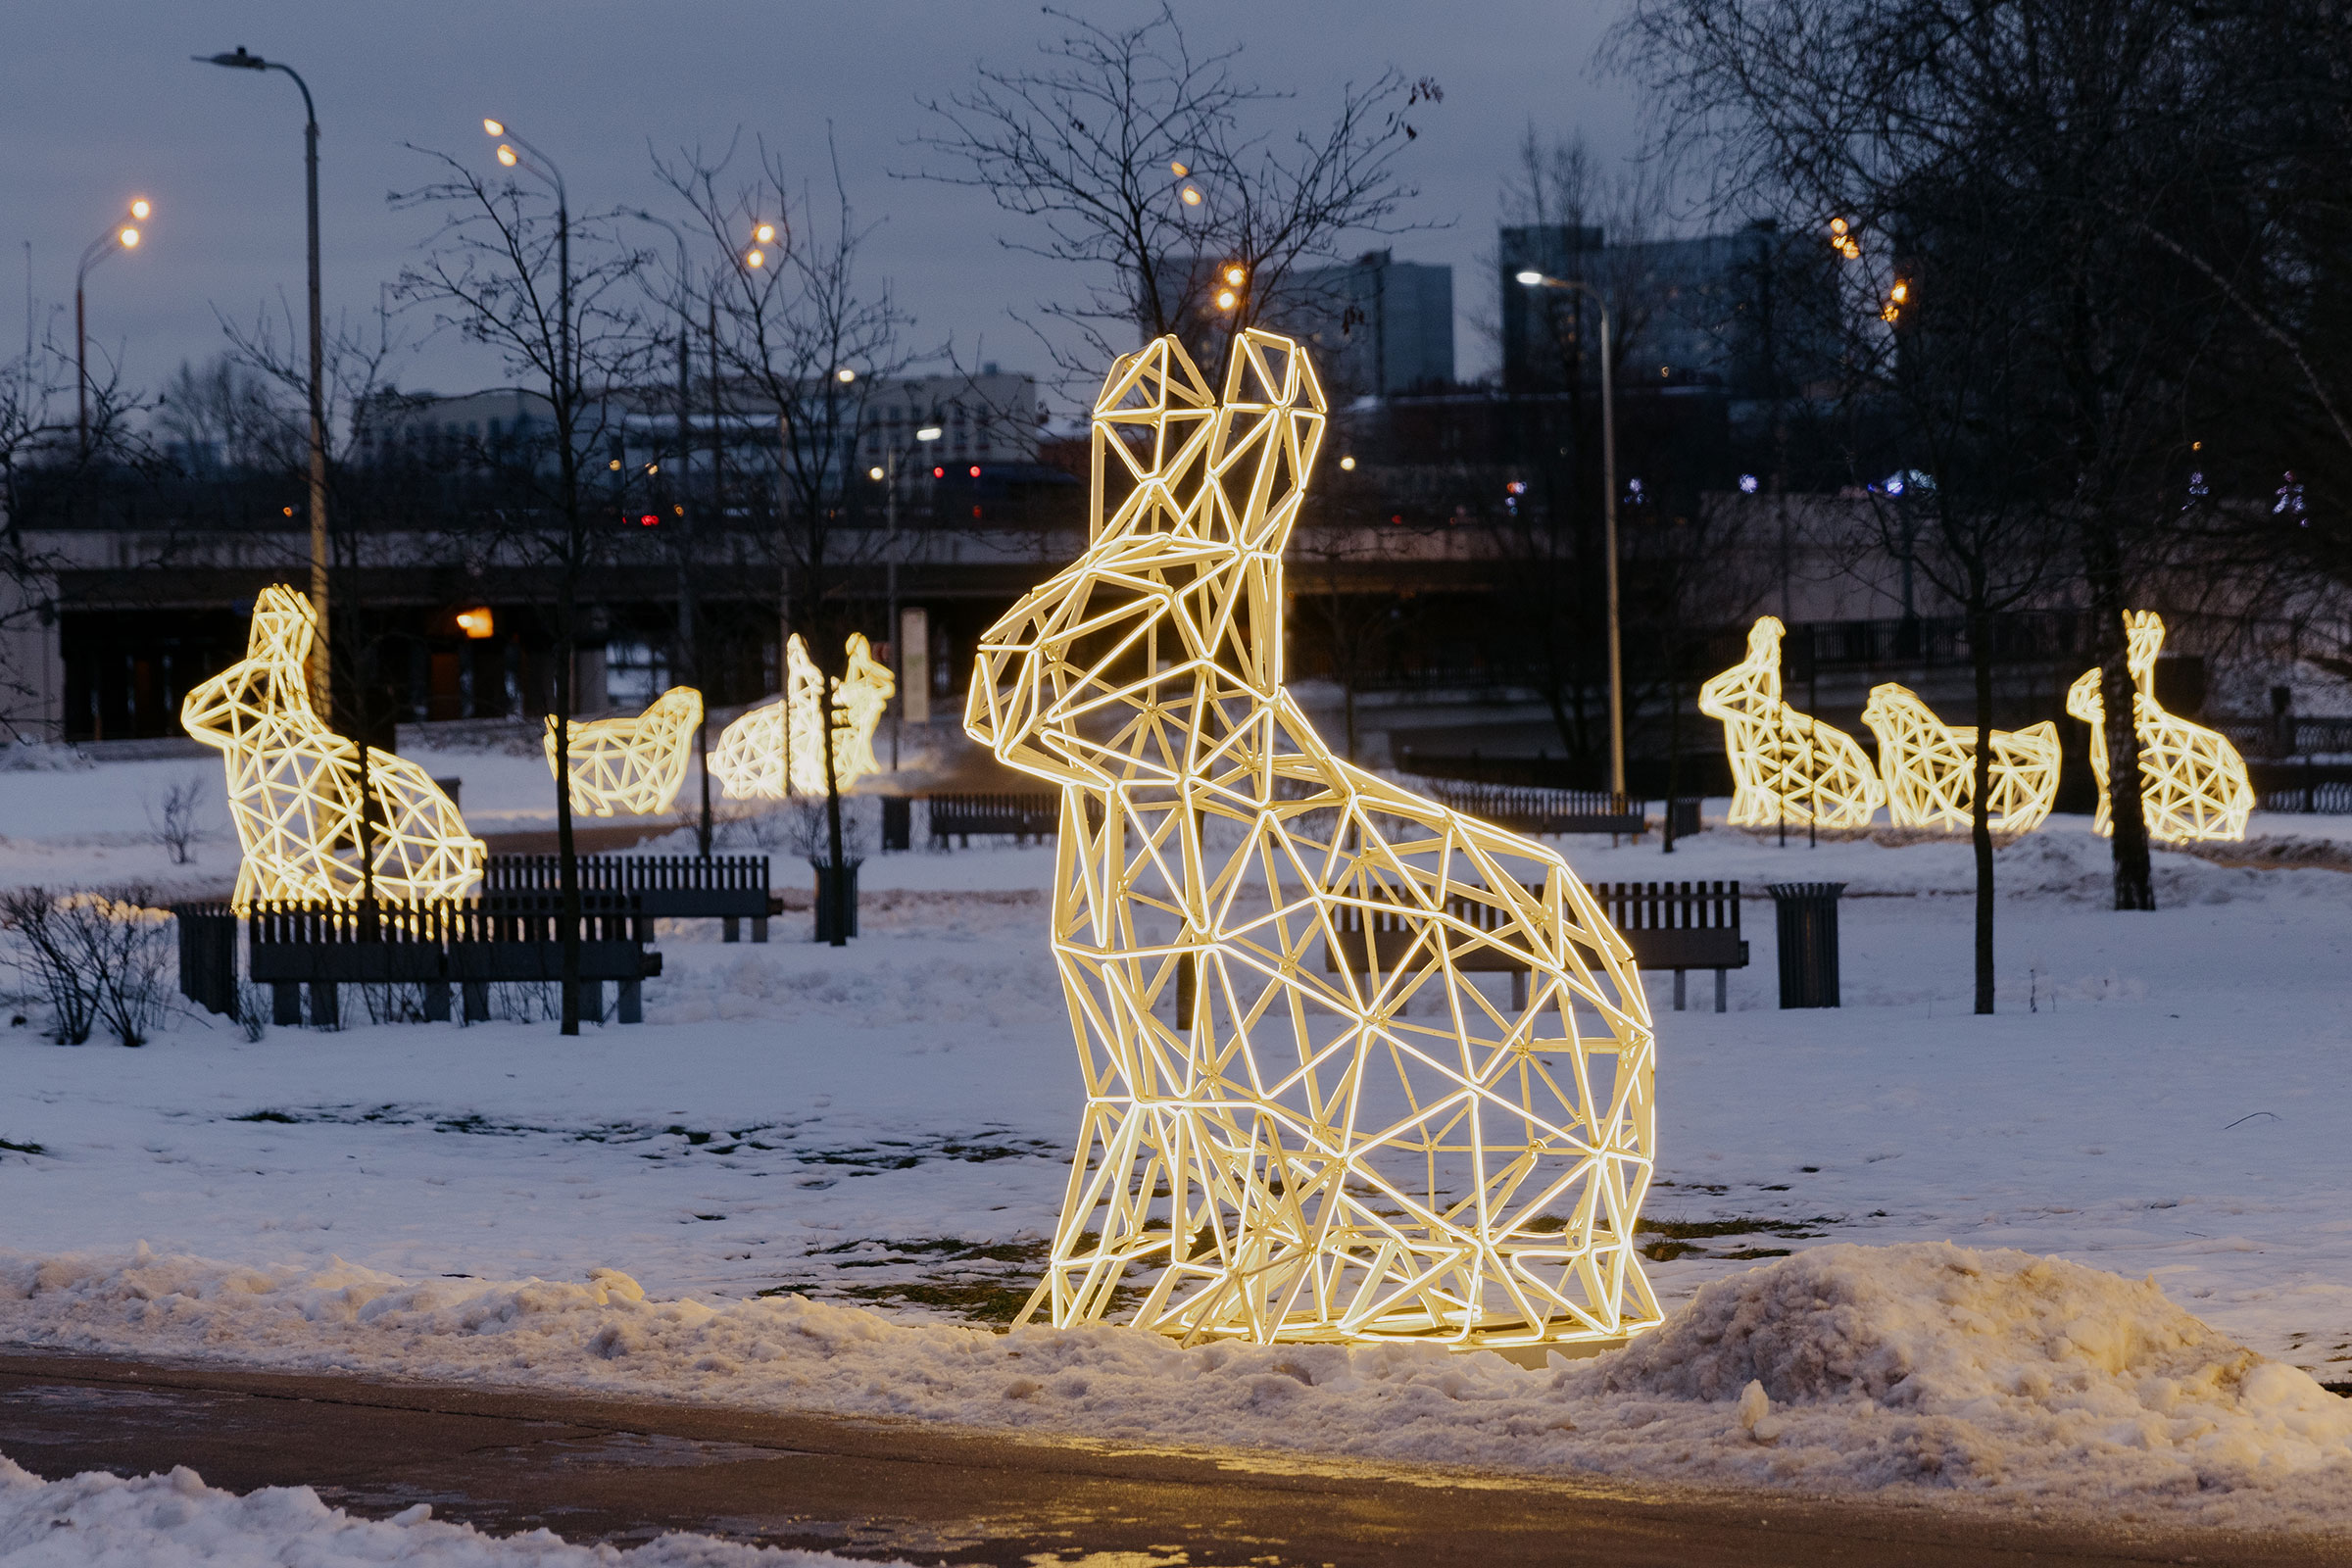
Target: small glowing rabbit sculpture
[(1312, 1150), (2192, 782), (773, 748), (296, 788), (632, 764), (1930, 767), (1785, 765)]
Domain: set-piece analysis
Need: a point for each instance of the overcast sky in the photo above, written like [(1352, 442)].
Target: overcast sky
[(102, 102)]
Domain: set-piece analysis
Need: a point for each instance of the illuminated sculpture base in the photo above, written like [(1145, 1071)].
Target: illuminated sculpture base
[(1786, 767), (632, 764), (2192, 782), (296, 789), (1930, 767), (1309, 1116), (773, 749)]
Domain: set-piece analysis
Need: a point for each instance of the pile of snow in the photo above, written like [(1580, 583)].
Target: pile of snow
[(2000, 1375), (25, 754), (1984, 1369), (165, 1521)]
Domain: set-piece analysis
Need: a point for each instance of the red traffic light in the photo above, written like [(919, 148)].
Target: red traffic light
[(975, 470), (939, 473)]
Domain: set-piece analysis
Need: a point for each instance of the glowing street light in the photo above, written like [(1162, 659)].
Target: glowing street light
[(845, 376), (123, 238), (240, 60)]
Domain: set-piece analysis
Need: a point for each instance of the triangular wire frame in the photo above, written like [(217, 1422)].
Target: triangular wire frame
[(1311, 1112)]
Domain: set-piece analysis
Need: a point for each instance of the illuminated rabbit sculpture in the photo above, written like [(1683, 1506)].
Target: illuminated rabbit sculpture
[(2192, 782), (1930, 767), (295, 787), (1311, 1150), (632, 764), (773, 749), (1785, 765)]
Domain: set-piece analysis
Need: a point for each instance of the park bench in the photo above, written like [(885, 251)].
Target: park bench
[(511, 936), (727, 888), (1691, 925), (1525, 808), (1022, 816)]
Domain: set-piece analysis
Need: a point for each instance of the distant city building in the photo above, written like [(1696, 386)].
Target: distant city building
[(985, 418), (1377, 326), (1725, 310)]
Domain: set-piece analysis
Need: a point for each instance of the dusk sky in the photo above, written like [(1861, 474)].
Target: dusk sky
[(103, 103)]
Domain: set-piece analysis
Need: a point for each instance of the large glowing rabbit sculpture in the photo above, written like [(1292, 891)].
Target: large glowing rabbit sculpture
[(1313, 1149), (296, 788)]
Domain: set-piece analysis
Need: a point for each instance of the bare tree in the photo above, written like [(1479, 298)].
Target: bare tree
[(802, 331), (501, 273), (2081, 122), (1144, 165)]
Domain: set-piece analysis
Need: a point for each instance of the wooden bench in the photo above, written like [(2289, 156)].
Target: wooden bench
[(727, 888), (1022, 816), (511, 937), (1524, 808), (1685, 926)]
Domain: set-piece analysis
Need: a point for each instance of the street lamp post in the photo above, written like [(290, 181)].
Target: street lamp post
[(1609, 479), (242, 60), (121, 237), (686, 631), (889, 577)]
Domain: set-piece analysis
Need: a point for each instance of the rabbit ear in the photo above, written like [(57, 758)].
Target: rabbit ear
[(1268, 432), (1152, 423)]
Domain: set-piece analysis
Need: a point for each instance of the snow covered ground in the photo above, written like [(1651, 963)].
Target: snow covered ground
[(97, 1520), (884, 1130)]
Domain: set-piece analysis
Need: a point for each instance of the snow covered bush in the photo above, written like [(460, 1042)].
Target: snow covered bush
[(96, 959)]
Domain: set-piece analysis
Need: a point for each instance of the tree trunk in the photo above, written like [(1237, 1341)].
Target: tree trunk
[(2102, 560), (1980, 814), (2134, 878), (567, 923)]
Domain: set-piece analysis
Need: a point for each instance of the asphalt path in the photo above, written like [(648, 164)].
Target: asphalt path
[(625, 1471)]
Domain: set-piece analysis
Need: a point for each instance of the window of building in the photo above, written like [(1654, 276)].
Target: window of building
[(635, 674)]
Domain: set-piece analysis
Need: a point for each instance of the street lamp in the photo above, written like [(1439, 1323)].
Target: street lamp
[(120, 238), (888, 473), (554, 178), (242, 60), (1532, 278)]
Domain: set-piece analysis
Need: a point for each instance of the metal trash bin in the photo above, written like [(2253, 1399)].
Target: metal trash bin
[(898, 823), (1683, 813), (1806, 914), (836, 899)]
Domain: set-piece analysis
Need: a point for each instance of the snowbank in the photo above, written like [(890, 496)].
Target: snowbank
[(97, 1520), (1998, 1375)]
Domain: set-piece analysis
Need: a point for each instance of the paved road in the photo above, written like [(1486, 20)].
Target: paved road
[(627, 1471)]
